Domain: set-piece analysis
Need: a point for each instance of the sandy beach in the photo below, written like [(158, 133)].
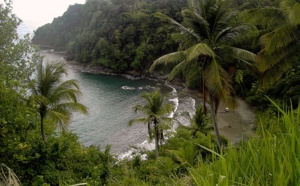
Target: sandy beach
[(235, 125)]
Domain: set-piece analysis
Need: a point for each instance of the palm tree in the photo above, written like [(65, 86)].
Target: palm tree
[(209, 39), (279, 42), (57, 99), (199, 122), (155, 112)]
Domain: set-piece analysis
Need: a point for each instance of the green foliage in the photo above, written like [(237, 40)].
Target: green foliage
[(269, 158), (243, 165), (191, 74), (177, 156), (284, 90), (200, 122), (155, 117), (56, 99), (121, 35), (279, 34), (17, 117), (125, 35), (63, 160), (209, 36)]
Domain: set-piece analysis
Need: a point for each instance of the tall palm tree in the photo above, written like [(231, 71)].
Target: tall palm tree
[(279, 40), (57, 99), (155, 116), (209, 39)]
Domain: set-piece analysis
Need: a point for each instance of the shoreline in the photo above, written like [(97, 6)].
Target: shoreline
[(235, 125)]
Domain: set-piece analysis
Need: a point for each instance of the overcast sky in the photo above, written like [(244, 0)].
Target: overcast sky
[(41, 10)]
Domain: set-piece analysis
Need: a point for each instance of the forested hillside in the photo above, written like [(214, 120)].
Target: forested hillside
[(117, 34), (125, 35)]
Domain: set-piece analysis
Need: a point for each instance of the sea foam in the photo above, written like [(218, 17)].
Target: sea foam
[(187, 104)]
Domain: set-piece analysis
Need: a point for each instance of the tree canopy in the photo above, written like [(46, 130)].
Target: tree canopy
[(120, 35)]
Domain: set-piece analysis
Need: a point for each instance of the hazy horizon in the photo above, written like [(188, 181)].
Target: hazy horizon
[(40, 12)]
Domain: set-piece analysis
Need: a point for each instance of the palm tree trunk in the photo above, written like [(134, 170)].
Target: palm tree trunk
[(42, 129), (156, 139), (203, 86), (161, 136), (217, 104), (214, 119), (149, 130), (42, 116), (204, 96)]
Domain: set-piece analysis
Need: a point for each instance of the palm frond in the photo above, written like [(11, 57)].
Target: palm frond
[(267, 16), (272, 75), (292, 9), (221, 33), (179, 26), (186, 154), (278, 39), (58, 69), (58, 118), (196, 23), (178, 68), (138, 120), (171, 58), (8, 177), (71, 83), (69, 107), (147, 96), (67, 90), (217, 13), (185, 40), (294, 17), (199, 49), (48, 75), (217, 80), (244, 55), (137, 108), (165, 109), (195, 5), (229, 16), (65, 95), (230, 35), (266, 61), (39, 99)]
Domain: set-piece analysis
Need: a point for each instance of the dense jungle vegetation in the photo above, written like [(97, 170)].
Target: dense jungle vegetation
[(221, 48)]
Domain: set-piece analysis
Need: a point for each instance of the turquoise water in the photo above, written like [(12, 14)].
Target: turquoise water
[(110, 100)]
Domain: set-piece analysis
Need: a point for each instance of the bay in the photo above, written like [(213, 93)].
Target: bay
[(110, 99)]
